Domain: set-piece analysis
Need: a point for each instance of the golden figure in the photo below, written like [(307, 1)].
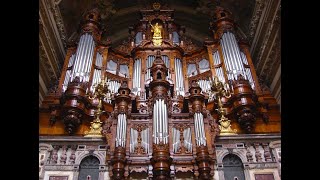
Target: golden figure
[(101, 92), (157, 38), (219, 90)]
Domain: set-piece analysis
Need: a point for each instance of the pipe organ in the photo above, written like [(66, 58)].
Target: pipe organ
[(162, 116)]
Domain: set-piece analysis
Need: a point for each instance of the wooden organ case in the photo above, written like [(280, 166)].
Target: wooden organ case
[(161, 120)]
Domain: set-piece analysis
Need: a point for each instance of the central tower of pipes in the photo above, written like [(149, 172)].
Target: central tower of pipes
[(159, 87)]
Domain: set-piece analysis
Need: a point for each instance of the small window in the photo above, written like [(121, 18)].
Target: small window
[(123, 92), (236, 178), (159, 75), (195, 91)]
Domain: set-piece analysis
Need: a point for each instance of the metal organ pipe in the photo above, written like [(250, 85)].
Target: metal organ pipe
[(166, 123), (248, 70), (154, 123), (179, 77), (231, 51), (199, 129), (75, 66), (97, 72), (83, 59), (219, 71), (176, 75), (225, 53), (67, 77), (237, 51), (79, 54)]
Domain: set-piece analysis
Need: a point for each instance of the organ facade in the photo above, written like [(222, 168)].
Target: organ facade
[(159, 106)]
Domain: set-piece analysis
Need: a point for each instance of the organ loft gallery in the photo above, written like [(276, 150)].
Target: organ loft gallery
[(159, 90)]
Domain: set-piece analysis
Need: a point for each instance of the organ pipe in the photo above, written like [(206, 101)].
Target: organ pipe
[(150, 60), (67, 77), (232, 56), (199, 129), (121, 130), (84, 56), (247, 69), (179, 77), (97, 72), (160, 120)]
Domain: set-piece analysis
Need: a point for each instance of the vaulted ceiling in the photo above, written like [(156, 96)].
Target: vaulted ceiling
[(257, 20)]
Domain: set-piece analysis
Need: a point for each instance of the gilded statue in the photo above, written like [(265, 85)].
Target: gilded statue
[(157, 38)]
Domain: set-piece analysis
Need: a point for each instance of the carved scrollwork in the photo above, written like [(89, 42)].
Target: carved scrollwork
[(143, 109)]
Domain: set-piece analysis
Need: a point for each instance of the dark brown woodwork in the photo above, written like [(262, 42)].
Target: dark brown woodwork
[(196, 99), (118, 163), (73, 102), (222, 21), (161, 161), (90, 23), (244, 103), (123, 106), (204, 162), (159, 87)]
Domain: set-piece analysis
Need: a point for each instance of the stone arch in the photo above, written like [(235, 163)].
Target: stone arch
[(224, 153), (233, 167), (85, 154)]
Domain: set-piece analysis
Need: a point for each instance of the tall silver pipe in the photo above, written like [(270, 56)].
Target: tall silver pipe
[(79, 54), (199, 128), (75, 66), (161, 120), (176, 74), (83, 56), (84, 59), (91, 54), (125, 130), (226, 55), (232, 52), (180, 78), (237, 54), (154, 123), (196, 127), (135, 85), (157, 119), (139, 74), (244, 58), (237, 51), (121, 129), (166, 123), (131, 142), (229, 52), (118, 129)]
